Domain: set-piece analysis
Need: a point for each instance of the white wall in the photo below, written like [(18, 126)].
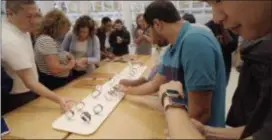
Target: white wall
[(45, 6), (126, 11)]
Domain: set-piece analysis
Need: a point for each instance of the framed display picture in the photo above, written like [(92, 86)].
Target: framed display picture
[(73, 6), (117, 5), (98, 6), (108, 6), (184, 5), (91, 7), (197, 4)]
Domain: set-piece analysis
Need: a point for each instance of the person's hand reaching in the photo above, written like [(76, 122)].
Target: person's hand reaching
[(199, 126), (66, 104), (126, 82)]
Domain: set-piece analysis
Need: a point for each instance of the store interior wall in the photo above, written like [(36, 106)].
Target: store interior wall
[(126, 11)]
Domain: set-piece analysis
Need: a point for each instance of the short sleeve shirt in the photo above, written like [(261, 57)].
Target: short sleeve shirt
[(195, 59), (44, 46), (17, 54)]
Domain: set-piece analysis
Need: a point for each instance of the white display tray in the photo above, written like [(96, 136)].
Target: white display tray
[(77, 125)]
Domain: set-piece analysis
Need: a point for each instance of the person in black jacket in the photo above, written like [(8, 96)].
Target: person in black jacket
[(228, 42), (250, 114), (103, 33), (120, 39)]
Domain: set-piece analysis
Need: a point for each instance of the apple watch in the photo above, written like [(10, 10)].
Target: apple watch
[(172, 98), (175, 103), (170, 93)]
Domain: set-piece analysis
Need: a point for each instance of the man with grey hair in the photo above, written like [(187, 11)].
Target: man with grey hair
[(18, 57)]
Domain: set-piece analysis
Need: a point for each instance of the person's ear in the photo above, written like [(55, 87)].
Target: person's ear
[(9, 12), (157, 24)]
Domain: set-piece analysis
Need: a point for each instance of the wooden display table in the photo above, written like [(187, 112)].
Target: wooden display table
[(34, 120), (129, 121), (7, 137)]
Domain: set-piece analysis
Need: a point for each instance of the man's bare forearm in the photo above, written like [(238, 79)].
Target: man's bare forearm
[(180, 126), (150, 87), (145, 89), (139, 81), (223, 133), (27, 77), (40, 89)]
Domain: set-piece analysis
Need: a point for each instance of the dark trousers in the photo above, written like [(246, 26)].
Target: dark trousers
[(53, 82), (10, 102), (77, 74)]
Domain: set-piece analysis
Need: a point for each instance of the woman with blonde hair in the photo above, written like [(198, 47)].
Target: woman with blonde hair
[(142, 40), (54, 64)]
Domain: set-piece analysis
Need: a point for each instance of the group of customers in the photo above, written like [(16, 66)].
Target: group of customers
[(190, 81), (53, 51), (59, 52)]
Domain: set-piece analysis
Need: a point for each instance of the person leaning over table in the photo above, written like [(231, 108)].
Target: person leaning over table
[(195, 59), (153, 72), (18, 57), (54, 63), (255, 78), (84, 45)]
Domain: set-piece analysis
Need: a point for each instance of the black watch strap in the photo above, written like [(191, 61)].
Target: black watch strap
[(162, 98)]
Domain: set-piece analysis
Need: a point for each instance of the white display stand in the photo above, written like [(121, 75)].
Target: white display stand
[(109, 102)]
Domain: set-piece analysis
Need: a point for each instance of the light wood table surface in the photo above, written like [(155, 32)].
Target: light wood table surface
[(34, 120), (130, 120)]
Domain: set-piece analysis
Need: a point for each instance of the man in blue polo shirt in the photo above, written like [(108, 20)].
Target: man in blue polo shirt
[(194, 59)]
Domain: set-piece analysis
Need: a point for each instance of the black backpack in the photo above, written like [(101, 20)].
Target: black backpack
[(253, 76), (254, 87)]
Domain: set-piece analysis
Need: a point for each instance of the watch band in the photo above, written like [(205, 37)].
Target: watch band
[(182, 106), (173, 102), (163, 97), (170, 93)]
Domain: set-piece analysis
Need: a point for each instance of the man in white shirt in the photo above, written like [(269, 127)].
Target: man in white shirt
[(18, 57)]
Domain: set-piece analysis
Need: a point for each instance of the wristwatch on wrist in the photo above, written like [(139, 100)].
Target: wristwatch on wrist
[(172, 98)]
